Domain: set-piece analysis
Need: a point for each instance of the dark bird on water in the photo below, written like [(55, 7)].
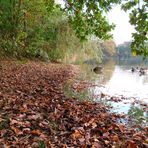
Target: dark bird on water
[(133, 69), (98, 69)]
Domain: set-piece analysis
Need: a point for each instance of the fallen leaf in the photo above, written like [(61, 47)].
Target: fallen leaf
[(115, 138), (146, 141), (132, 144), (81, 140), (97, 144), (16, 130), (65, 146), (94, 125), (106, 142), (36, 132), (76, 134)]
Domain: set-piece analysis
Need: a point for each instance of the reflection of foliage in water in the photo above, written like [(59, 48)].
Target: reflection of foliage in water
[(108, 69), (138, 115), (82, 96), (86, 94), (86, 72)]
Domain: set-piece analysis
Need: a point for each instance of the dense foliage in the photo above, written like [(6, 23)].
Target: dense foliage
[(39, 29), (125, 55), (108, 48), (50, 31), (124, 50), (88, 17), (139, 18)]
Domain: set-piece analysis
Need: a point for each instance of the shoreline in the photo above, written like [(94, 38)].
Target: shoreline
[(35, 110)]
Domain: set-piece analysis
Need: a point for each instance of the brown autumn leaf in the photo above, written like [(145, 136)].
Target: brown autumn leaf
[(23, 110), (132, 144), (84, 146), (121, 127), (36, 132), (145, 144), (106, 134), (35, 117), (16, 130), (96, 144), (82, 140), (106, 142), (76, 134), (65, 146), (138, 136), (91, 121), (36, 101), (13, 121), (26, 130), (117, 126), (146, 141), (115, 138), (94, 125)]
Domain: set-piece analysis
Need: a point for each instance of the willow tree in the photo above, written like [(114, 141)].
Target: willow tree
[(88, 17)]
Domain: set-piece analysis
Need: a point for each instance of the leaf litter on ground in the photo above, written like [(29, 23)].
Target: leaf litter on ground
[(36, 113)]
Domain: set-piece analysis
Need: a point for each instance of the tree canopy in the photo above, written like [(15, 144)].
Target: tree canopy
[(39, 29), (88, 17), (28, 26)]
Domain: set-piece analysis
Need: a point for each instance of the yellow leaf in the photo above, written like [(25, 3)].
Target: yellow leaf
[(134, 53)]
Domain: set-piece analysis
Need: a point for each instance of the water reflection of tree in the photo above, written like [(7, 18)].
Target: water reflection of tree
[(101, 78), (108, 70), (86, 73), (138, 116)]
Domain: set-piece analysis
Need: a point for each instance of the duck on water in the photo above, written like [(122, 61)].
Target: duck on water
[(141, 71), (97, 69)]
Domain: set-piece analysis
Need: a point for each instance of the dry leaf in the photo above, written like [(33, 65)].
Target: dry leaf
[(115, 138), (16, 130), (76, 134), (132, 144), (36, 132), (65, 146)]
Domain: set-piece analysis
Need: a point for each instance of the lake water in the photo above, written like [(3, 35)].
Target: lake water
[(124, 82), (120, 82)]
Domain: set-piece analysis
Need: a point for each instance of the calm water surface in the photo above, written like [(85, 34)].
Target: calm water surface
[(123, 82), (119, 81)]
